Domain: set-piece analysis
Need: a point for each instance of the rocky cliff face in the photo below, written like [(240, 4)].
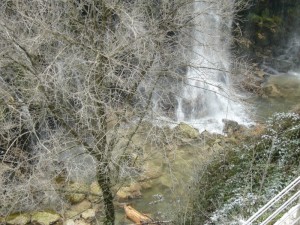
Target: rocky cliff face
[(269, 29)]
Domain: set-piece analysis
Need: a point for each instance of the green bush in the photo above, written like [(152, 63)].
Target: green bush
[(234, 185)]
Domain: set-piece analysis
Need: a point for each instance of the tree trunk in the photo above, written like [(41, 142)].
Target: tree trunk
[(105, 184)]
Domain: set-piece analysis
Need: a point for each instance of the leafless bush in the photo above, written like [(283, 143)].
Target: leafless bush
[(72, 74)]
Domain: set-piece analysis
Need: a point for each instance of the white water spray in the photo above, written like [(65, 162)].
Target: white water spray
[(207, 97)]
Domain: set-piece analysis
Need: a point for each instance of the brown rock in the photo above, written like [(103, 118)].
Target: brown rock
[(76, 210)]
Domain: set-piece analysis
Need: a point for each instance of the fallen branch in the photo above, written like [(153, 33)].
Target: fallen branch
[(139, 218)]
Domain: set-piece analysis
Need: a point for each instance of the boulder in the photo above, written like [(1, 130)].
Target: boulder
[(187, 131), (232, 127), (45, 218), (151, 170)]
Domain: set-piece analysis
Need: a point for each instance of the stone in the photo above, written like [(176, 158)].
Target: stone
[(232, 127), (151, 170), (95, 188), (69, 222), (77, 209), (77, 192), (95, 191), (187, 131), (89, 214), (45, 218), (18, 219), (130, 192)]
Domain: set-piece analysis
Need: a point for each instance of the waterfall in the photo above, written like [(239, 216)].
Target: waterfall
[(207, 96)]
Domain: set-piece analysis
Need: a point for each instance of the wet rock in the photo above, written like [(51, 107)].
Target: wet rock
[(18, 219), (187, 131), (77, 192), (232, 127), (45, 218)]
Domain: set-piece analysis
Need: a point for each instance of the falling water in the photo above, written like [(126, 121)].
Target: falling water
[(207, 97)]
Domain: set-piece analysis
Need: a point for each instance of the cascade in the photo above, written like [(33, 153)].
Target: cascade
[(207, 96)]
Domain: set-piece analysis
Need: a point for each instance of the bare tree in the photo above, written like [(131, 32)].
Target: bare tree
[(71, 73)]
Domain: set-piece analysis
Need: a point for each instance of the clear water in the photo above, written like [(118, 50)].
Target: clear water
[(266, 106)]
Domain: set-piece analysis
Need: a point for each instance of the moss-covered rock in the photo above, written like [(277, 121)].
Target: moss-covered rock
[(45, 218), (187, 131)]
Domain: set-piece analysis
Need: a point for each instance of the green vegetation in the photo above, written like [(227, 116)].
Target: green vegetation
[(240, 180), (267, 25)]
